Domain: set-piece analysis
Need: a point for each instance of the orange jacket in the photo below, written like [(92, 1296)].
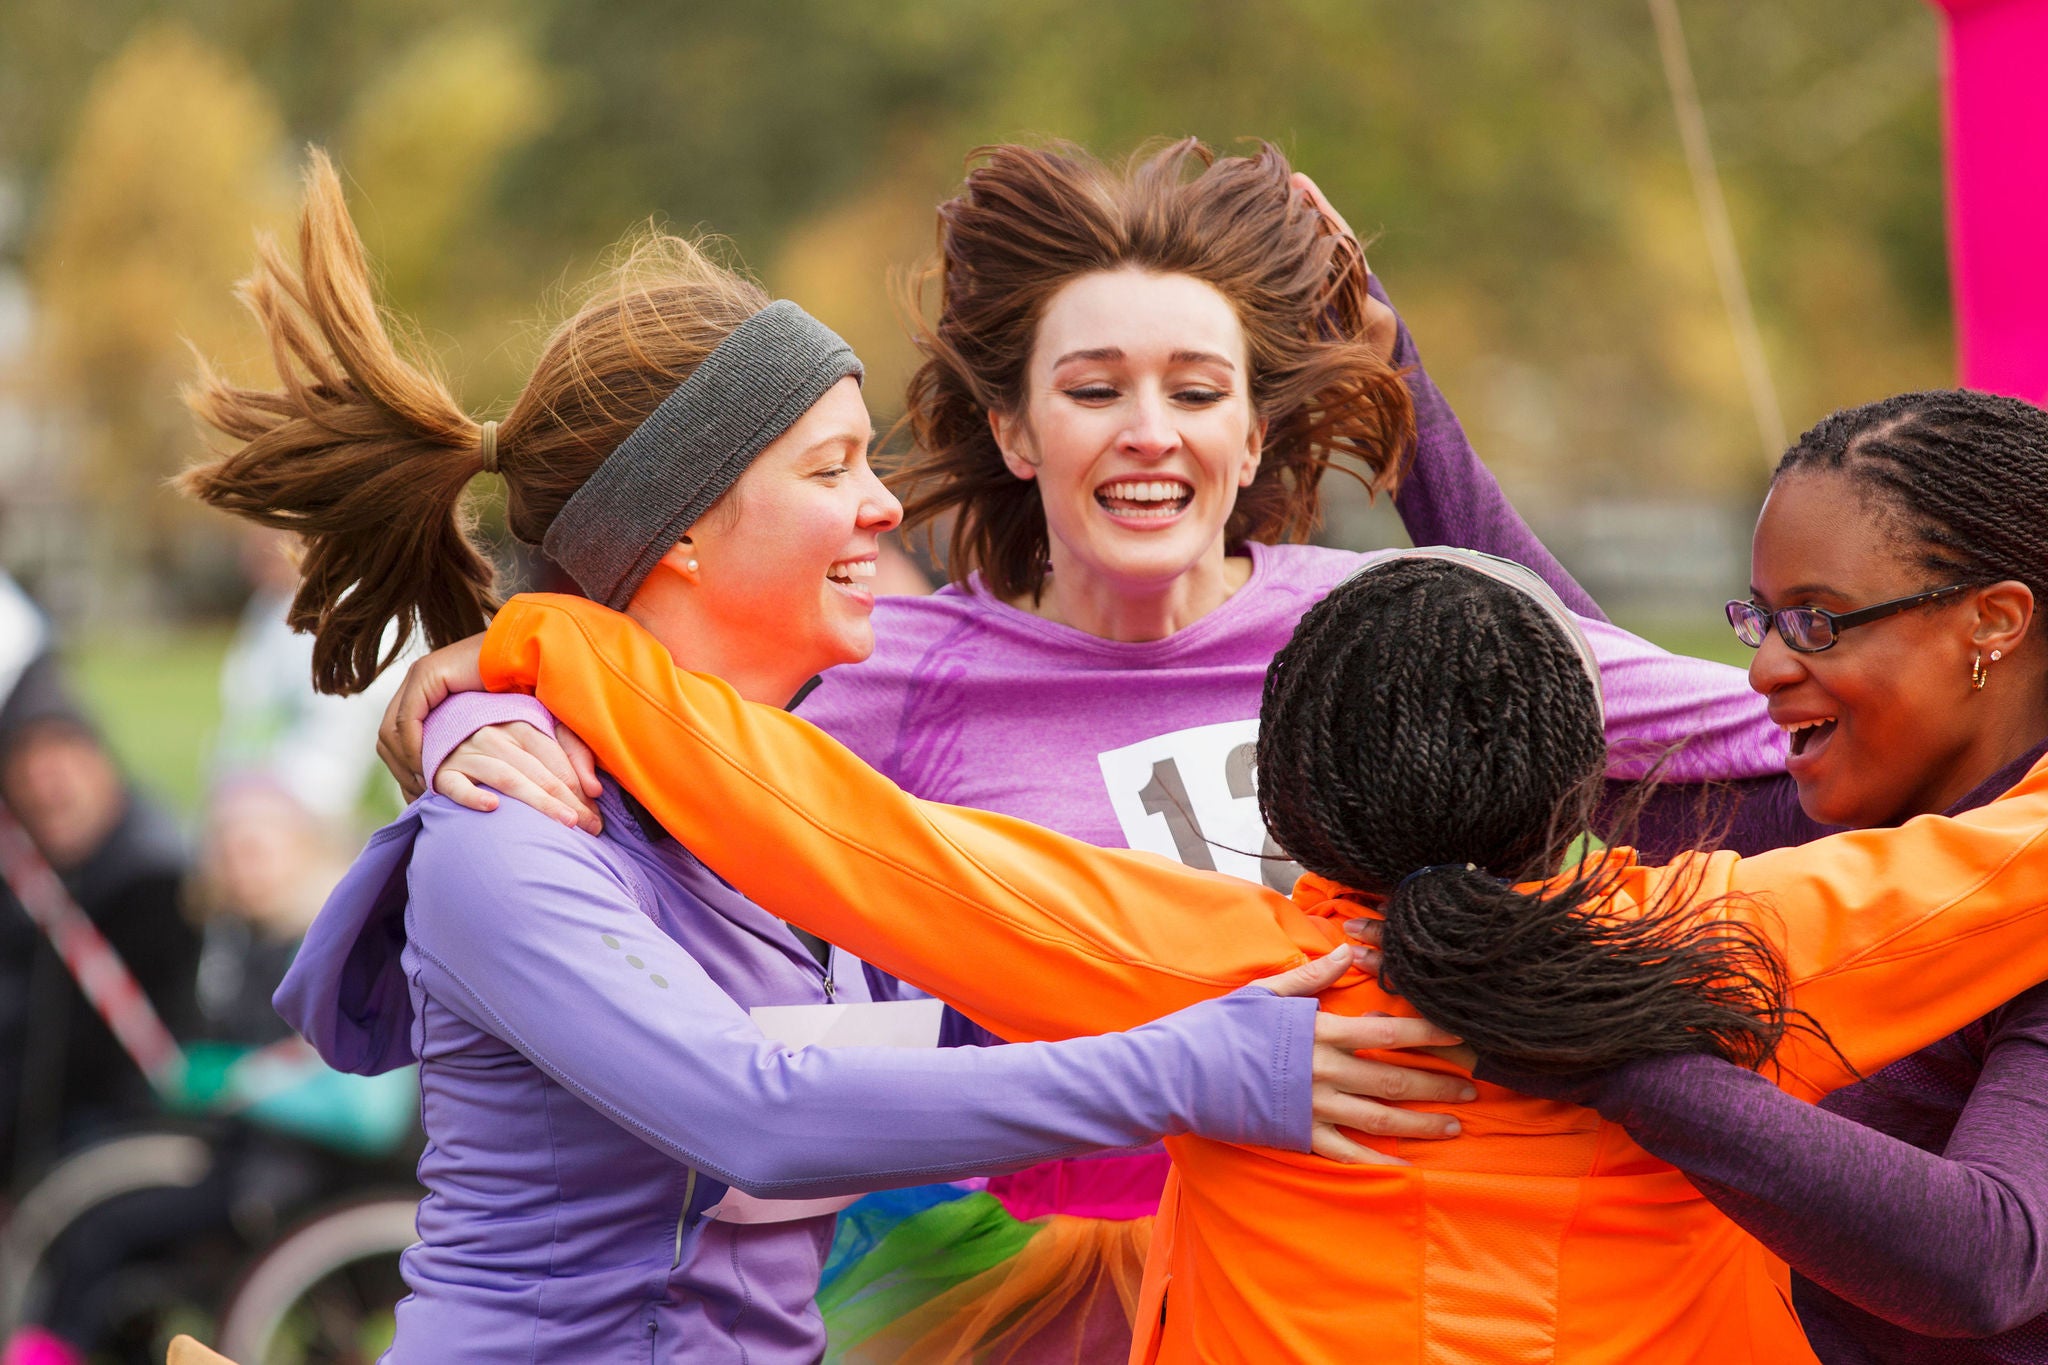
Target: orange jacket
[(1540, 1234)]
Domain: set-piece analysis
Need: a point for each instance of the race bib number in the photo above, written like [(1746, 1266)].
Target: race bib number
[(1190, 795)]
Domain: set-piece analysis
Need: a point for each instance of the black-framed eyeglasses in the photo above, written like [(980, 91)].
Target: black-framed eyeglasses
[(1813, 629)]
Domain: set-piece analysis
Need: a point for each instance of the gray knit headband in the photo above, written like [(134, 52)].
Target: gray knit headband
[(1525, 581), (753, 387)]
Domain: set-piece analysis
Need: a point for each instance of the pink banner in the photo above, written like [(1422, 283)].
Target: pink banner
[(1996, 105)]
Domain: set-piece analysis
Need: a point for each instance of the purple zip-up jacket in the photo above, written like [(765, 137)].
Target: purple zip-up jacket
[(591, 1084)]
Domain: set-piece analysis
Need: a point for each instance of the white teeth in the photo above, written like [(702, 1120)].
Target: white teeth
[(1794, 727), (850, 570), (1145, 490)]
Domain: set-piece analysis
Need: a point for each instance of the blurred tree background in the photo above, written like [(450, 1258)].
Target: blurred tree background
[(1517, 166)]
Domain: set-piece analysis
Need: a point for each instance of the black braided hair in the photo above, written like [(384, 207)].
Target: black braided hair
[(1966, 472), (1427, 714)]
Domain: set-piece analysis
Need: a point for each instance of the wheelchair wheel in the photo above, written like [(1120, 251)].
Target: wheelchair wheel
[(324, 1294), (77, 1185)]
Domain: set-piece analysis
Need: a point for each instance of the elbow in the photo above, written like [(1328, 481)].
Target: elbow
[(1981, 1311), (1969, 1306)]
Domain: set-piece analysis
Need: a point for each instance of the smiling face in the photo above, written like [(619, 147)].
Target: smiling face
[(1137, 426), (781, 589), (1885, 724)]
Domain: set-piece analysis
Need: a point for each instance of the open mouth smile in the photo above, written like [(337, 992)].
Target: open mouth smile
[(1145, 499), (1809, 738), (854, 575)]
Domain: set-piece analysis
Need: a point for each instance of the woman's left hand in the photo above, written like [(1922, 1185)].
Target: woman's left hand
[(1382, 324), (1365, 934), (1349, 1089)]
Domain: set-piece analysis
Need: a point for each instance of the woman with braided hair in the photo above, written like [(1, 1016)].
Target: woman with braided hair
[(1898, 564)]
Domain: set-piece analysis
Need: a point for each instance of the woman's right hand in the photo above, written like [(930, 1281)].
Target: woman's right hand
[(430, 680)]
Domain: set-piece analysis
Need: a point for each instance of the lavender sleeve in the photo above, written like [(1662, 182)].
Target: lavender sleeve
[(1951, 1243), (1449, 497), (516, 924)]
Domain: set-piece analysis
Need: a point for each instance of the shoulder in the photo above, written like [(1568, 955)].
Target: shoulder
[(1308, 568), (491, 861)]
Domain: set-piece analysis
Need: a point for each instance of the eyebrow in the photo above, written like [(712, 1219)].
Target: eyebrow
[(1116, 353), (1803, 590)]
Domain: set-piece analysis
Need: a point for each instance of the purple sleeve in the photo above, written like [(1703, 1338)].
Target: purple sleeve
[(1449, 497), (1950, 1244), (526, 933), (1699, 718), (462, 714), (1749, 816)]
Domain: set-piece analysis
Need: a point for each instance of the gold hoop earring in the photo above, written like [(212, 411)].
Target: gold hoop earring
[(1980, 671)]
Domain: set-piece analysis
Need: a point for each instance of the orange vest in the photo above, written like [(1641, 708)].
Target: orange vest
[(1540, 1234)]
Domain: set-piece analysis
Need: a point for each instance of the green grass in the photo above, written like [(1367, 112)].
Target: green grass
[(1704, 640), (156, 696)]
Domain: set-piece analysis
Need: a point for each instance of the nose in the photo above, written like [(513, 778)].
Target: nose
[(880, 509), (1775, 665), (1152, 433)]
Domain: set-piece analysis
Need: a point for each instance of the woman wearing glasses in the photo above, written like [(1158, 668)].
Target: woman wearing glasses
[(1897, 566)]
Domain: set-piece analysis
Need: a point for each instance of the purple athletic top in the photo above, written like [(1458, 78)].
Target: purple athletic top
[(591, 1084)]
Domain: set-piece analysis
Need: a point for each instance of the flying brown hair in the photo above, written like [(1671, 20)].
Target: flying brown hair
[(366, 455), (1030, 220)]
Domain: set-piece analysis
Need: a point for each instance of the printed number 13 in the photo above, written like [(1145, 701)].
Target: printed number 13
[(1167, 795)]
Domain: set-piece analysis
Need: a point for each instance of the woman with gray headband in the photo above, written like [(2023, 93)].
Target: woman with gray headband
[(621, 1163)]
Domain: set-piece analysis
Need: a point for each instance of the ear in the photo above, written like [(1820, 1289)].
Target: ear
[(1013, 439), (1255, 447), (2004, 613), (681, 560)]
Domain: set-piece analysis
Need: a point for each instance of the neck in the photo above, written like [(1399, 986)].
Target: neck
[(1130, 610), (767, 675), (1996, 747)]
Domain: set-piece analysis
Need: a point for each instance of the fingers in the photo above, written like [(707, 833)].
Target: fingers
[(507, 779), (1321, 202), (1385, 1081), (1368, 935), (525, 755), (1324, 1140), (1380, 1120), (1312, 977), (391, 745), (581, 758), (462, 791), (1371, 1032), (555, 772)]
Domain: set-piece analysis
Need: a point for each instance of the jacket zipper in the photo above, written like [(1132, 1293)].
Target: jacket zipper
[(689, 1193)]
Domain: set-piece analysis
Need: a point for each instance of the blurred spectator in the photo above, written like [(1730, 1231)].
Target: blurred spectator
[(120, 857), (318, 750)]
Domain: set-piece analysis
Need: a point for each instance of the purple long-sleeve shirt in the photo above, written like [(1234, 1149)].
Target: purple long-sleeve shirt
[(591, 1084)]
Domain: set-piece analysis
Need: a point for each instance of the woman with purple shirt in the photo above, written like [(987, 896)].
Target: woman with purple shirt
[(1096, 665), (622, 1164)]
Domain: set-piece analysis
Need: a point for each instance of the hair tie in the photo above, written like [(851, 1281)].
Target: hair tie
[(487, 446), (1433, 867)]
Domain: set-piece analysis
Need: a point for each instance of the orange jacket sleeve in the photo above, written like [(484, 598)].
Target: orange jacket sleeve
[(1030, 933), (1894, 938)]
